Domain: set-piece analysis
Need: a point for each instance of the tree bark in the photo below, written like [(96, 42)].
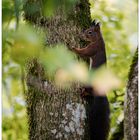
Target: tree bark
[(131, 103), (54, 113)]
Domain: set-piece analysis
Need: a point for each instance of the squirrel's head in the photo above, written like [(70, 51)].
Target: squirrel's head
[(92, 34)]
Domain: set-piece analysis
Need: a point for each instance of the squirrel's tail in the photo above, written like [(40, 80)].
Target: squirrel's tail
[(97, 109)]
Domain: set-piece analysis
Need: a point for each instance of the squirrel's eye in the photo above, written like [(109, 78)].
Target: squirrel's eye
[(90, 32)]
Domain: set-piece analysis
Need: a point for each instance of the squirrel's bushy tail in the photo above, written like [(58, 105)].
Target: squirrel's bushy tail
[(98, 117)]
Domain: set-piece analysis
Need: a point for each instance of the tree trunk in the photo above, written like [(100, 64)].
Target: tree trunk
[(131, 103), (54, 113)]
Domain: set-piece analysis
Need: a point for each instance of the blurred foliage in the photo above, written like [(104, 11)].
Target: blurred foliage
[(21, 41), (47, 8), (65, 71)]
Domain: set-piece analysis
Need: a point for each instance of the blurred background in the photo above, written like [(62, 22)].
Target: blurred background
[(120, 29)]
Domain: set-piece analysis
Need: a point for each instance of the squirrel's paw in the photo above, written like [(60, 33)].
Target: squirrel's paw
[(71, 48), (84, 93)]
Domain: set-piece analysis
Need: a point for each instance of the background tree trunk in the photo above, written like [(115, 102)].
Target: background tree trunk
[(55, 113), (131, 103)]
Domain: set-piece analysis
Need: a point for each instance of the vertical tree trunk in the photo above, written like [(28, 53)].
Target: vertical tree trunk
[(55, 113), (131, 103)]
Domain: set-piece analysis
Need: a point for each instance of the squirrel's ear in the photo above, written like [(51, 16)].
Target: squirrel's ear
[(93, 22), (97, 26)]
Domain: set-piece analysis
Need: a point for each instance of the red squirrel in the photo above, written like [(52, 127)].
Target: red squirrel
[(97, 107), (96, 47)]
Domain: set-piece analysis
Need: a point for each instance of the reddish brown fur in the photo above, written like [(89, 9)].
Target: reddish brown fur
[(96, 47)]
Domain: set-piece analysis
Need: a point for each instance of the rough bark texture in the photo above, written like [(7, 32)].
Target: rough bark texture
[(55, 113), (131, 103)]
